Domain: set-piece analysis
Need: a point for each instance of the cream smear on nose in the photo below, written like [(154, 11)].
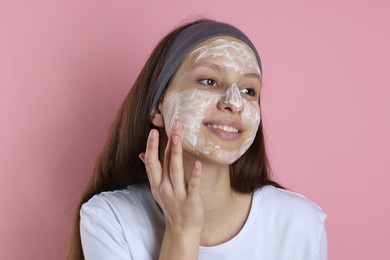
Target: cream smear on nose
[(233, 97), (191, 106)]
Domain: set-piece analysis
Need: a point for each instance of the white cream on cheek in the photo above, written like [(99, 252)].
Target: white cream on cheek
[(191, 106)]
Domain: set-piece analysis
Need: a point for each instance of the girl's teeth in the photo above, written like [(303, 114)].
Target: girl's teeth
[(224, 128)]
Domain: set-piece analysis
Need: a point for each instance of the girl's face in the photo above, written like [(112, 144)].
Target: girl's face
[(215, 94)]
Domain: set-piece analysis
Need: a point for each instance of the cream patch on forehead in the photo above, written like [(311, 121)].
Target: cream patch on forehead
[(237, 55)]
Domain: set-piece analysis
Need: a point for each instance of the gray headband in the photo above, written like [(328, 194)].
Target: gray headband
[(189, 38)]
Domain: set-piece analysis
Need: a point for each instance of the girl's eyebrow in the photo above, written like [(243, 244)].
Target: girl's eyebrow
[(253, 75), (220, 68), (212, 66)]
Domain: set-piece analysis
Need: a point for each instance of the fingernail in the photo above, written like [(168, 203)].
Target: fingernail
[(152, 133), (176, 125), (197, 165), (175, 139)]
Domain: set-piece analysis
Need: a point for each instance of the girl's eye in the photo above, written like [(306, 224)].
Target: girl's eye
[(248, 91), (208, 82)]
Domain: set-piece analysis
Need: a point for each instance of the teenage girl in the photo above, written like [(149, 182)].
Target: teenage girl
[(184, 173)]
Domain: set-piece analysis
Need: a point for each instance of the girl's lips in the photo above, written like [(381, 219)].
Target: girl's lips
[(225, 129)]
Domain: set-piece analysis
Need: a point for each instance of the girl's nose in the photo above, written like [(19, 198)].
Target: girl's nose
[(232, 99)]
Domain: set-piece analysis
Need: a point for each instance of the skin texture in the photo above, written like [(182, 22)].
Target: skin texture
[(207, 119), (193, 102)]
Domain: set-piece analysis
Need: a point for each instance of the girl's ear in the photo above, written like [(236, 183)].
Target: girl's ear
[(156, 116)]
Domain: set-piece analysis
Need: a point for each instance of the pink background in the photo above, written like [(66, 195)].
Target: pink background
[(65, 66)]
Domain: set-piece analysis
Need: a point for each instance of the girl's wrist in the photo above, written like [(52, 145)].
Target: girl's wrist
[(180, 244), (185, 236)]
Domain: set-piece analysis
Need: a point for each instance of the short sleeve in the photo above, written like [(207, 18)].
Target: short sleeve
[(323, 247), (101, 236)]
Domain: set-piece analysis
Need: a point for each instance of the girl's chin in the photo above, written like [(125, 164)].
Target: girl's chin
[(217, 156)]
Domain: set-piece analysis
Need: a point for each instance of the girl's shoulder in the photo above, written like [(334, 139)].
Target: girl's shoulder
[(124, 222), (135, 201), (289, 205), (132, 195)]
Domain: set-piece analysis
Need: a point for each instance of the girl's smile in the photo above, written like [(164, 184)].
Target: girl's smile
[(216, 98), (227, 129)]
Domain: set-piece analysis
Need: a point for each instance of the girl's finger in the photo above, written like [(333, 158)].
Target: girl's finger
[(174, 159), (176, 172), (194, 181), (150, 158), (167, 158)]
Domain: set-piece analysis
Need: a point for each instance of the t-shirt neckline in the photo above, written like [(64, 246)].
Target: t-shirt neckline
[(253, 212)]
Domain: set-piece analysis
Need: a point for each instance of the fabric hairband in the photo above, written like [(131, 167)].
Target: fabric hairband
[(189, 38)]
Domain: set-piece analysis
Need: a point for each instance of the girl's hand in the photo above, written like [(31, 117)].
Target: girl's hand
[(180, 201)]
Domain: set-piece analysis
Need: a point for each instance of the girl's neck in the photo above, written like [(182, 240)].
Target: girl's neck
[(215, 185), (226, 210), (216, 191)]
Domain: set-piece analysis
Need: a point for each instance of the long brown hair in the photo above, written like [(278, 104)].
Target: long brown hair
[(118, 164)]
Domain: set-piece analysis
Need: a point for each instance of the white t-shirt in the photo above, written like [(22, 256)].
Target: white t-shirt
[(127, 224)]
